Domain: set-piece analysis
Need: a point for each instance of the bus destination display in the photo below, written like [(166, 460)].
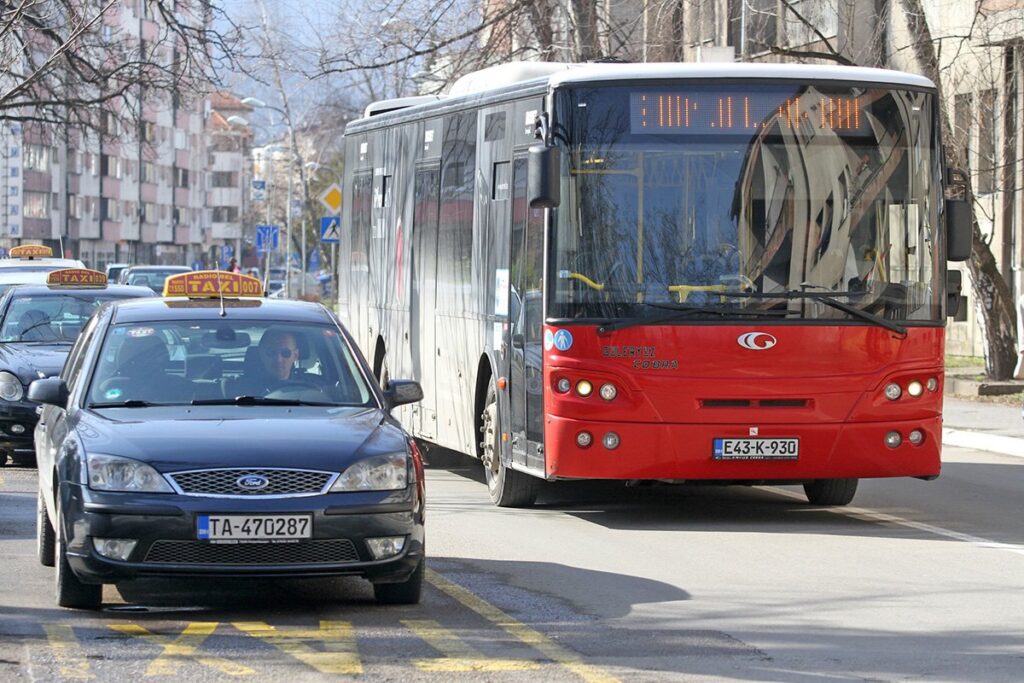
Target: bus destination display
[(725, 113)]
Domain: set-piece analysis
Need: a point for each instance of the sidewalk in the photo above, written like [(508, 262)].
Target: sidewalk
[(983, 426)]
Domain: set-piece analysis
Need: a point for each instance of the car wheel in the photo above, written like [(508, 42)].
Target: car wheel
[(46, 537), (407, 592), (507, 487), (830, 491), (70, 591)]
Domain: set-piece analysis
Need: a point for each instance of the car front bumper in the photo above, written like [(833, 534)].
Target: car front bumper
[(17, 424), (165, 526)]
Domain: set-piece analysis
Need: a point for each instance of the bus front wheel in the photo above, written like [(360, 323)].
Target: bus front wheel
[(830, 491), (508, 488)]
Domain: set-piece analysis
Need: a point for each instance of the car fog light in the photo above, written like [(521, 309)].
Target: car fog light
[(563, 386), (584, 439), (893, 439), (608, 392), (610, 440), (17, 429), (114, 548), (915, 388), (916, 437), (386, 546), (893, 391), (584, 388), (933, 384)]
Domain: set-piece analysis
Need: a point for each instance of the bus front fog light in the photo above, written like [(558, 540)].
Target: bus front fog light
[(385, 546), (915, 388), (893, 391), (563, 386), (584, 388), (933, 384), (610, 440), (893, 439), (115, 548), (584, 439), (916, 437), (609, 392)]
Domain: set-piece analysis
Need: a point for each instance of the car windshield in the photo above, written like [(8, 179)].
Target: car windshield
[(684, 193), (226, 362), (49, 318), (154, 279)]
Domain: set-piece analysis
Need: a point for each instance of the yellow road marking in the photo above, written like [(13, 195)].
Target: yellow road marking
[(176, 650), (339, 656), (458, 654), (66, 649), (552, 650)]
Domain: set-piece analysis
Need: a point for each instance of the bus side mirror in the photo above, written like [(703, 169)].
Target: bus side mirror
[(959, 230), (542, 183), (956, 307)]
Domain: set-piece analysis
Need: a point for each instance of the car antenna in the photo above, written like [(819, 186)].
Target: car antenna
[(220, 290)]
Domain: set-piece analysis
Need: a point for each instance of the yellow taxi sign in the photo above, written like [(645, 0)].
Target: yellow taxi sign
[(203, 284), (76, 277), (30, 251)]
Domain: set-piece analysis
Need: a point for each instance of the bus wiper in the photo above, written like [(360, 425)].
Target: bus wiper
[(256, 401), (678, 312), (827, 298)]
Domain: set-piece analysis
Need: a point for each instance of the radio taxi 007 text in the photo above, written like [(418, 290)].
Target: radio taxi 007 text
[(231, 435)]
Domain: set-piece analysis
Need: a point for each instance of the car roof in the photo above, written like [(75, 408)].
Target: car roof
[(27, 277), (46, 290), (43, 261), (183, 269), (181, 308)]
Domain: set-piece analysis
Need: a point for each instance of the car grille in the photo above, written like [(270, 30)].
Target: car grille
[(280, 482), (333, 551)]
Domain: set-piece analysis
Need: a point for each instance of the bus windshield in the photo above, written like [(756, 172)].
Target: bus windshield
[(714, 198)]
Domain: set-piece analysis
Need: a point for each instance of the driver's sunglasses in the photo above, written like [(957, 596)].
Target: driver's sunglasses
[(283, 353)]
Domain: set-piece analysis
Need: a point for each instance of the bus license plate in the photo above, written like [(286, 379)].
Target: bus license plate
[(756, 449), (254, 527)]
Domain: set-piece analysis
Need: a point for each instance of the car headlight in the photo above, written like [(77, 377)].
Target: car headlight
[(380, 473), (10, 387), (112, 473)]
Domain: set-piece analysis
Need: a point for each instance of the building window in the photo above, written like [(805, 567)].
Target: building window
[(805, 19), (110, 209), (150, 213), (147, 172), (181, 177), (110, 166), (987, 136), (225, 214), (224, 179), (36, 204), (37, 157)]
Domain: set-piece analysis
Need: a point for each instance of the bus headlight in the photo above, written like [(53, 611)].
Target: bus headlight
[(608, 392), (933, 384), (915, 388), (563, 386), (893, 439), (584, 439), (611, 441), (584, 388), (893, 391)]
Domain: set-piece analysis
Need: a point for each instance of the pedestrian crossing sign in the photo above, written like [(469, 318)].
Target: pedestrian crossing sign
[(330, 229)]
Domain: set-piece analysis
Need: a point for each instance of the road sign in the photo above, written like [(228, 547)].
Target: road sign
[(259, 190), (296, 206), (331, 198), (227, 251), (267, 237), (330, 229)]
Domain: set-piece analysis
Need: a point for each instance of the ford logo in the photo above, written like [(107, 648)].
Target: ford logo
[(252, 482), (757, 341)]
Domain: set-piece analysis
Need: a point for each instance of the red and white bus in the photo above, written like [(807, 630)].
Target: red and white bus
[(725, 273)]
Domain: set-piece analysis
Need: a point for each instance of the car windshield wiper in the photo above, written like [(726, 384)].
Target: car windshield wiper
[(130, 403), (827, 298), (257, 401), (673, 312)]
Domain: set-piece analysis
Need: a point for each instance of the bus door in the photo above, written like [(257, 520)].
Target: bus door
[(423, 344), (526, 372)]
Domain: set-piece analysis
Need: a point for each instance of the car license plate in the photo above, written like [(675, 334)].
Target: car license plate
[(756, 449), (254, 527)]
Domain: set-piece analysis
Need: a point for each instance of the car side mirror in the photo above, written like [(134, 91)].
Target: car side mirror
[(403, 391), (542, 183), (50, 391)]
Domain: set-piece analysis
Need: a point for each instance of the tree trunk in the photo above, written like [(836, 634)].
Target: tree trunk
[(992, 294)]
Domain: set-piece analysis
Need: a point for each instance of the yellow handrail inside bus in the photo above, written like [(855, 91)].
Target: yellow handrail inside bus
[(684, 290), (585, 280)]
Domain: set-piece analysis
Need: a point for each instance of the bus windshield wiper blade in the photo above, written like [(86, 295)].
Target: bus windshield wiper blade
[(679, 311), (829, 299), (257, 401)]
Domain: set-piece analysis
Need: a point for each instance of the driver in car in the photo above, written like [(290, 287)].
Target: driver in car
[(277, 353)]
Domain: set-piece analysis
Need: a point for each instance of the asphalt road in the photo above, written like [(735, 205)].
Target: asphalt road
[(916, 581)]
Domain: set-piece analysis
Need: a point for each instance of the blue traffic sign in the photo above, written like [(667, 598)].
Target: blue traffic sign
[(267, 237), (330, 229)]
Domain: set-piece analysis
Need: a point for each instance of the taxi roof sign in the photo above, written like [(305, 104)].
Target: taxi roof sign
[(212, 284), (76, 277), (30, 251)]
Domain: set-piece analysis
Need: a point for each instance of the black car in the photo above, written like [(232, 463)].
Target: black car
[(38, 325), (225, 437), (150, 276)]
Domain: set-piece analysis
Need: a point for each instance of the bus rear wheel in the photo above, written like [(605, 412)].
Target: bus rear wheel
[(830, 491), (507, 487)]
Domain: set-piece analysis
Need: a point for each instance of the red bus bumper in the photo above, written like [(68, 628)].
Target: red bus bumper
[(684, 451)]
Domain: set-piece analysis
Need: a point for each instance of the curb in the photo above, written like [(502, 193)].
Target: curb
[(980, 441), (962, 386)]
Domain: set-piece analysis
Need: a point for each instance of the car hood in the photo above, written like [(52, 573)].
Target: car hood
[(31, 361), (183, 438)]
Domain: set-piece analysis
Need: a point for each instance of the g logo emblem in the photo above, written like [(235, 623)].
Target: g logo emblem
[(757, 341)]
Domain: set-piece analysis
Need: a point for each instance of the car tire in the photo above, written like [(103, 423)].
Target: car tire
[(507, 487), (407, 592), (46, 537), (70, 591), (830, 491)]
